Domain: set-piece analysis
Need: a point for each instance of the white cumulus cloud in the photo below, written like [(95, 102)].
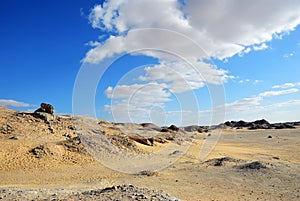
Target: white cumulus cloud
[(222, 28), (13, 103), (193, 32)]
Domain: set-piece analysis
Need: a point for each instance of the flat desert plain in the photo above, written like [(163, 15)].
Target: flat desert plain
[(42, 160)]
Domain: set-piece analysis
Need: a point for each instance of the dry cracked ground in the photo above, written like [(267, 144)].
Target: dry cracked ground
[(77, 158)]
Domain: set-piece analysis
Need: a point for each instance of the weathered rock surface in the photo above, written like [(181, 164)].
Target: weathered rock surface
[(47, 108), (45, 112)]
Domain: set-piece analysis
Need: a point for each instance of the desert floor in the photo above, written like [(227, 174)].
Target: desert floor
[(60, 170)]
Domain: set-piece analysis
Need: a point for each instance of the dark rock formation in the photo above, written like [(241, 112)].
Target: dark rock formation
[(194, 128), (45, 107), (39, 151), (283, 125), (45, 112), (173, 128), (164, 129), (222, 161), (252, 166), (259, 124)]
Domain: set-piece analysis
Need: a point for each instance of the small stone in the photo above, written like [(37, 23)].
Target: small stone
[(51, 130), (67, 135), (71, 127)]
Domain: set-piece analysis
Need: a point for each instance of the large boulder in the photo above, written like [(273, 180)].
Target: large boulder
[(45, 112), (45, 107), (45, 116), (173, 128)]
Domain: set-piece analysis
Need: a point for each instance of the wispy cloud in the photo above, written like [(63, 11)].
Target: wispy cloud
[(288, 55), (253, 108), (278, 93), (248, 81), (257, 81), (286, 85), (13, 103)]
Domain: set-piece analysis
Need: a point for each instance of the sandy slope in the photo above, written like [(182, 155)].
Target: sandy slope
[(63, 166)]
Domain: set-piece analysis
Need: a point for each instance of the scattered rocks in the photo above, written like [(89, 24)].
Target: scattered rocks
[(74, 144), (222, 161), (13, 138), (72, 127), (148, 173), (123, 142), (125, 192), (39, 151), (6, 129), (67, 135), (252, 166)]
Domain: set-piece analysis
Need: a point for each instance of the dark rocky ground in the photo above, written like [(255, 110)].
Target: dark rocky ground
[(114, 193)]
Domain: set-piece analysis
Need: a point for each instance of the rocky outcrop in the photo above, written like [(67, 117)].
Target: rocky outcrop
[(38, 151), (45, 107), (173, 128), (195, 128), (144, 141), (283, 125), (259, 124), (45, 112)]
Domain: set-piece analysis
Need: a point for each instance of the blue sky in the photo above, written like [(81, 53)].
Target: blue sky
[(200, 62)]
